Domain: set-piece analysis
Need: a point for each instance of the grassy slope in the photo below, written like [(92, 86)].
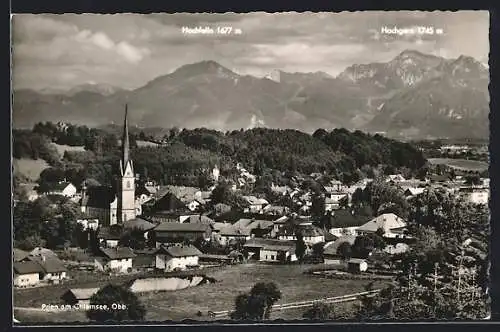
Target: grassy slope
[(31, 169), (465, 164)]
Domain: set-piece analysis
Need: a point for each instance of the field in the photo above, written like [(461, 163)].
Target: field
[(460, 164), (30, 168), (185, 304), (63, 148)]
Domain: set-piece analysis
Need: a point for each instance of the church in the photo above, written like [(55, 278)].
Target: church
[(115, 205)]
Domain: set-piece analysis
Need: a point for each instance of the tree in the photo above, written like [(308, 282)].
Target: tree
[(318, 206), (132, 309), (257, 304), (300, 246), (319, 311), (344, 250), (474, 179), (318, 249)]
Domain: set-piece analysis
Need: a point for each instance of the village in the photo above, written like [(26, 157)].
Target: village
[(168, 238)]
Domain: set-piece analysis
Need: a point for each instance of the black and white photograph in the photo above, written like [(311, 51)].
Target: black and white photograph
[(249, 167)]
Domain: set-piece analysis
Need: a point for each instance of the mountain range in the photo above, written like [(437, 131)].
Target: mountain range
[(414, 95)]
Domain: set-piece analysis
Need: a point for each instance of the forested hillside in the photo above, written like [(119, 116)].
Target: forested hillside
[(185, 157)]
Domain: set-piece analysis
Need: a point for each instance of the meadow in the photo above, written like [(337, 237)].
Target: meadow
[(187, 303)]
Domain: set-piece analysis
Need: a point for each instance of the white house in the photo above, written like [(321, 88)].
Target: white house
[(27, 274), (117, 259), (254, 204), (395, 178), (231, 233), (178, 257), (310, 234), (475, 195), (90, 223), (271, 250)]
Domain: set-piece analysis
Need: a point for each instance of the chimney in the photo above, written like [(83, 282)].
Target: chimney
[(43, 258)]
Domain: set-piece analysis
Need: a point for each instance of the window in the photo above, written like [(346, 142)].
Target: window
[(272, 257), (128, 184)]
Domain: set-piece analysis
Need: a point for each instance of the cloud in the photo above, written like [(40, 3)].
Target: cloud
[(131, 49)]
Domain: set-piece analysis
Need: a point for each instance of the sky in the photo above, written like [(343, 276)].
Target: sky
[(128, 50)]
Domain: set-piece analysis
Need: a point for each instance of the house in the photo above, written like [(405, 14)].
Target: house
[(53, 269), (254, 204), (177, 257), (310, 234), (169, 202), (356, 265), (331, 253), (117, 259), (281, 190), (278, 223), (412, 191), (196, 218), (27, 273), (66, 189), (19, 255), (475, 195), (172, 232), (398, 248), (194, 205), (395, 178), (79, 296), (89, 223), (271, 250), (144, 259), (39, 252), (344, 222), (392, 226), (231, 234), (334, 201), (276, 210), (110, 236)]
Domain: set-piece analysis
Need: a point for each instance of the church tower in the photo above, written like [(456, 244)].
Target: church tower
[(126, 182)]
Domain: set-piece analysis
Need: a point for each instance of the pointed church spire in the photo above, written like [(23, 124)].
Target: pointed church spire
[(125, 141)]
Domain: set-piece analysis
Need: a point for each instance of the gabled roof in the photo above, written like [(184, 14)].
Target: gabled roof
[(169, 202), (39, 251), (386, 221), (234, 230), (181, 227), (356, 261), (19, 254), (180, 251), (276, 209), (118, 253), (82, 293), (414, 191), (270, 244), (27, 267), (138, 223)]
